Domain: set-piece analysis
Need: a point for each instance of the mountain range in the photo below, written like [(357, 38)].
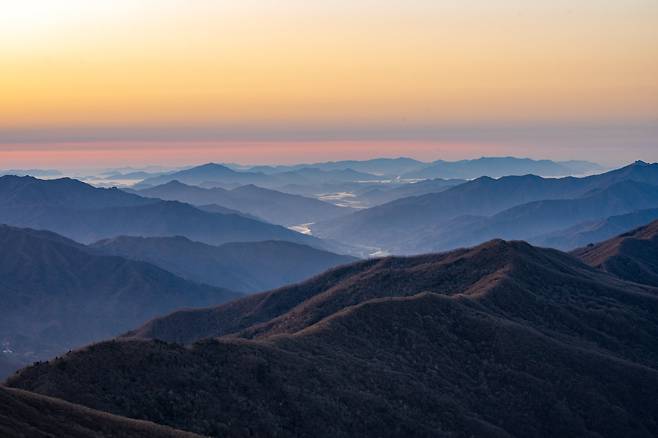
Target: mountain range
[(238, 266), (462, 169), (218, 175), (270, 205), (56, 294), (503, 339), (87, 214), (496, 167), (538, 218), (512, 207), (588, 232)]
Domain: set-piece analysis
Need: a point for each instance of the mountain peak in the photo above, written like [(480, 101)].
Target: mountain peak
[(174, 183)]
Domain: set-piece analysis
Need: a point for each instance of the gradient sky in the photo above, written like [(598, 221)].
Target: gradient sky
[(179, 81)]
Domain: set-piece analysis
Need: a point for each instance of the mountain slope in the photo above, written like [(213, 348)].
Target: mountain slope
[(379, 195), (499, 340), (204, 173), (589, 232), (24, 414), (242, 267), (87, 214), (56, 295), (632, 256), (393, 225), (271, 205), (527, 221)]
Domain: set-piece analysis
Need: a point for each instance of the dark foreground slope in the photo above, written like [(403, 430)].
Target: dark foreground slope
[(632, 256), (24, 414), (238, 266), (56, 295), (500, 340)]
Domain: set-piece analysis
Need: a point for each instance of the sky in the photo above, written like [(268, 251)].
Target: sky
[(132, 82)]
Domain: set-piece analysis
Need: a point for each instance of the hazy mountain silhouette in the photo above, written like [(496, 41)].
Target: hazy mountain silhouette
[(218, 175), (382, 195), (214, 208), (243, 267), (87, 214), (31, 172), (55, 294), (203, 173), (496, 167), (407, 167), (25, 414), (391, 167), (499, 340), (526, 221), (398, 224), (632, 256), (273, 206), (596, 231)]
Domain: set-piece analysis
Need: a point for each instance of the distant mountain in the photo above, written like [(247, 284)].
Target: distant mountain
[(56, 295), (27, 191), (206, 172), (499, 340), (243, 267), (139, 174), (31, 172), (464, 169), (632, 256), (273, 206), (25, 414), (496, 167), (217, 175), (397, 225), (87, 214), (596, 231), (391, 167), (538, 218), (214, 208), (382, 195)]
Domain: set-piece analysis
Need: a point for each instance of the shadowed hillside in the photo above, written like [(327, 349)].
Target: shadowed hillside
[(596, 231), (503, 339), (24, 414), (242, 267), (56, 295)]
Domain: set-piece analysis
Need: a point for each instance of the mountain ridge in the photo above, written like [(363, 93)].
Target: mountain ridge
[(238, 266), (87, 214), (632, 256), (503, 339), (47, 307)]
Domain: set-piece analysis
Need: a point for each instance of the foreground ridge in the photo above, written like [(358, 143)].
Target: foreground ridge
[(27, 414), (503, 339)]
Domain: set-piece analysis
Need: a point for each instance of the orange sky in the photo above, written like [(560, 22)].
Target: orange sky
[(73, 69)]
